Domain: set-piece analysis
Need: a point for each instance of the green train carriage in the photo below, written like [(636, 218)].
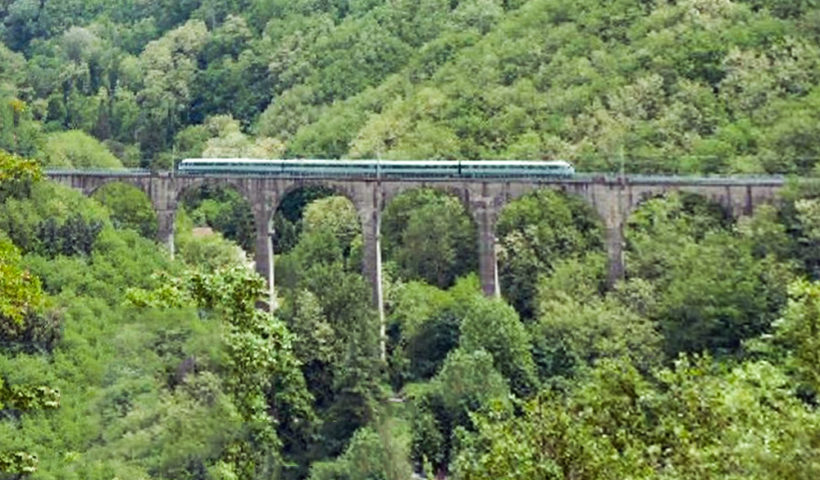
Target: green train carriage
[(377, 168)]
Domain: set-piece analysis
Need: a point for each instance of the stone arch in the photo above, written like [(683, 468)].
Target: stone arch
[(145, 226), (187, 184), (596, 198), (446, 269), (358, 193), (454, 189), (350, 190), (141, 183), (472, 195), (710, 197), (736, 199), (571, 191), (717, 204), (242, 187), (523, 216)]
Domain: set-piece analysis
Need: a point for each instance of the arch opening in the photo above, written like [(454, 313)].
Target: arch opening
[(214, 225), (540, 232), (428, 235), (697, 275), (130, 207), (314, 226), (326, 302), (288, 217)]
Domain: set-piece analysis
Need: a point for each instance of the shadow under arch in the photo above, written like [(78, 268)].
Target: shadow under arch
[(288, 210), (237, 221), (241, 185), (349, 190), (455, 190), (708, 289), (313, 225)]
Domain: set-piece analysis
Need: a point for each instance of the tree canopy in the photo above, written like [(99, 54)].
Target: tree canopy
[(120, 360), (681, 87)]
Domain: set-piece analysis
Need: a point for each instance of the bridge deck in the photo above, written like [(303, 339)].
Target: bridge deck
[(601, 178)]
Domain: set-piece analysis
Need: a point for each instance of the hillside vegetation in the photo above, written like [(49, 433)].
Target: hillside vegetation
[(690, 86), (121, 361), (118, 362)]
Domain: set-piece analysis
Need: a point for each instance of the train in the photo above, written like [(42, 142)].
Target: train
[(377, 168)]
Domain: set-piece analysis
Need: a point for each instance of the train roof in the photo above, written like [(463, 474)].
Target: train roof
[(309, 161)]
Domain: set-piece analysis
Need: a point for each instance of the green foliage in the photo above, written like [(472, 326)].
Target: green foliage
[(344, 378), (28, 398), (52, 212), (76, 149), (179, 387), (424, 327), (17, 175), (425, 324), (328, 303), (24, 323), (20, 292), (223, 209), (20, 463), (204, 249), (678, 87), (262, 374), (467, 383), (21, 309), (536, 232), (124, 404), (691, 421), (75, 236), (20, 133), (168, 71), (227, 140), (287, 221), (798, 334), (802, 217), (573, 332), (196, 383), (338, 216), (494, 327), (370, 455), (430, 236), (129, 208), (712, 291), (809, 216)]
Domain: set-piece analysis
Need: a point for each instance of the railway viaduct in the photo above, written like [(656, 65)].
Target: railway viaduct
[(613, 198)]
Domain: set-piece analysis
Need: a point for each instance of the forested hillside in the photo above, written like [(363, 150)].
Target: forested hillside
[(121, 361), (670, 86)]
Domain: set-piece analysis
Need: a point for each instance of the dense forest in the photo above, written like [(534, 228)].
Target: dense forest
[(688, 86), (119, 360)]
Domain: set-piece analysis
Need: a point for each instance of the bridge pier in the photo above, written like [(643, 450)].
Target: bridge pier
[(263, 255), (614, 244), (165, 230), (372, 267), (487, 255)]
